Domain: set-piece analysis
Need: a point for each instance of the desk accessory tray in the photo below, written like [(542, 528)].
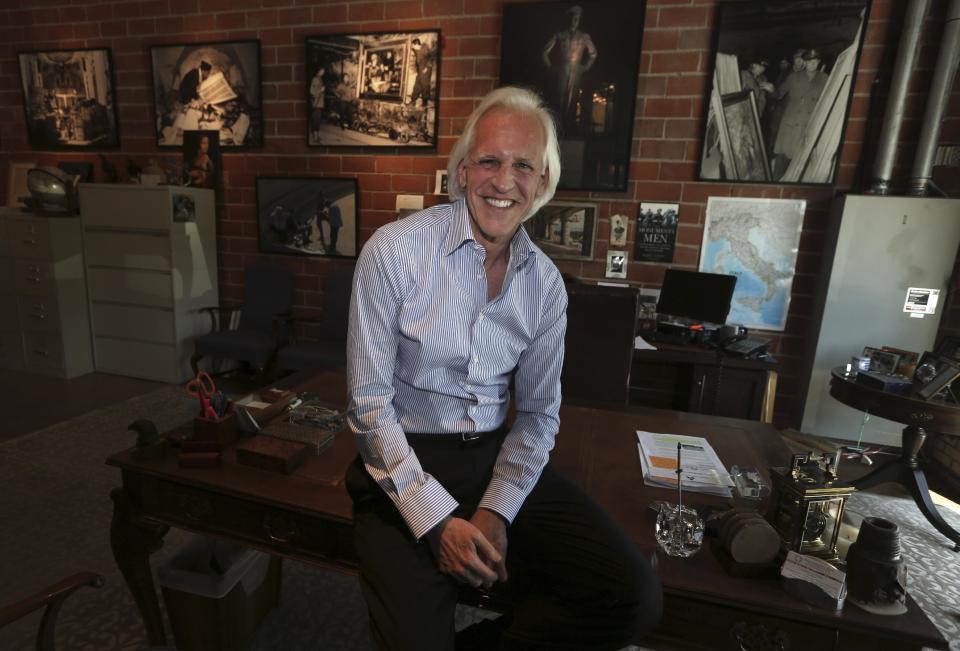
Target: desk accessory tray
[(316, 439), (270, 453)]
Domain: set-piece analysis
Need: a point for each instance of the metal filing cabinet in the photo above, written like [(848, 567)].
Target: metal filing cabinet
[(44, 320)]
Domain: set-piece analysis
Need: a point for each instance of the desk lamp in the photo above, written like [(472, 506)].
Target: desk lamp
[(52, 191)]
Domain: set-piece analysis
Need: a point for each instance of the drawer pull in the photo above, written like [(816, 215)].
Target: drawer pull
[(42, 352), (30, 242), (39, 315), (279, 528), (33, 279)]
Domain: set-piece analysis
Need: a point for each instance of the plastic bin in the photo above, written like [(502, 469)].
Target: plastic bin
[(217, 593)]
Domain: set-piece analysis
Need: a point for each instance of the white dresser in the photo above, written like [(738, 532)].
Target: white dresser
[(44, 323), (151, 266)]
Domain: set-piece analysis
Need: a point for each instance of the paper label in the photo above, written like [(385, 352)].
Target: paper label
[(816, 571)]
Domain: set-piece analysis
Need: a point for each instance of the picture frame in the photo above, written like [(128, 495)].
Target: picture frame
[(798, 60), (440, 183), (208, 86), (374, 89), (17, 183), (593, 95), (68, 99), (933, 374), (882, 361), (616, 264), (202, 162), (564, 230), (908, 360), (308, 216)]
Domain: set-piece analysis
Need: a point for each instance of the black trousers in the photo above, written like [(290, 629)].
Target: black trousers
[(580, 583)]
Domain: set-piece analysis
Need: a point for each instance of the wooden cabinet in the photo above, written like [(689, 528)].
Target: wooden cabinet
[(699, 380), (44, 322), (151, 266)]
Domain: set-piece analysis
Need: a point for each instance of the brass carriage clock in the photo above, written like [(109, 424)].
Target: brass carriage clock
[(807, 504)]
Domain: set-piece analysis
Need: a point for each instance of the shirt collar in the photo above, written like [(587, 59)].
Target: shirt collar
[(460, 231)]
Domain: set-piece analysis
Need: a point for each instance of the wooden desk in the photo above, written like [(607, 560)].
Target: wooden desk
[(307, 516), (704, 381)]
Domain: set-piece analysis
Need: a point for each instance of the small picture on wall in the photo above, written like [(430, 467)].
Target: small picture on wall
[(373, 90), (308, 216), (68, 99), (656, 233), (564, 230), (440, 184), (616, 264), (618, 230), (782, 87), (202, 166), (208, 87)]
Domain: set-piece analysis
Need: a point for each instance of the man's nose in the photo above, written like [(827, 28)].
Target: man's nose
[(503, 180)]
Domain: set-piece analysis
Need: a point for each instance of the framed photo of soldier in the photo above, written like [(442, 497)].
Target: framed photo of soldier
[(68, 99), (583, 58), (308, 216), (373, 90), (208, 87), (564, 230), (781, 91)]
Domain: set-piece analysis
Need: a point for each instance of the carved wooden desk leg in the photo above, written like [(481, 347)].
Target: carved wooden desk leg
[(132, 541)]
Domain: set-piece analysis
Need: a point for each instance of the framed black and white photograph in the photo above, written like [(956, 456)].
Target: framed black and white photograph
[(782, 87), (564, 230), (68, 99), (656, 234), (208, 87), (373, 90), (583, 58), (440, 183), (308, 216), (616, 264)]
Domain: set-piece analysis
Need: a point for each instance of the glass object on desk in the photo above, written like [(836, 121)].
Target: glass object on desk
[(679, 530), (748, 483)]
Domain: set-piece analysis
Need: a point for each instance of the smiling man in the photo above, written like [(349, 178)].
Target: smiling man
[(449, 305)]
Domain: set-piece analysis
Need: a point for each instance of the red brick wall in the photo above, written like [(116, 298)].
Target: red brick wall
[(673, 83)]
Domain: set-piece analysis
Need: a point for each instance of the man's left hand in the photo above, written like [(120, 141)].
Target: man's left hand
[(494, 528)]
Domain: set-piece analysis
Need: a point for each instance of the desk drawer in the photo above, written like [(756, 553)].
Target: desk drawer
[(719, 628), (38, 314), (43, 352), (29, 239), (11, 351), (287, 532), (127, 250), (130, 286), (145, 324), (34, 278)]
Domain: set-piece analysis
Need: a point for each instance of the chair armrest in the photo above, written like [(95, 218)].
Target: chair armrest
[(52, 597)]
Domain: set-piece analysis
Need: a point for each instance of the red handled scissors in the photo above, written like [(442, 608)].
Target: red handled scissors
[(203, 388)]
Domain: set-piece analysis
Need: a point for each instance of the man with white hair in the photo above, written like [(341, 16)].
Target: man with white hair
[(450, 306)]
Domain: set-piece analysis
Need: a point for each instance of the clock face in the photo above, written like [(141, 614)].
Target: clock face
[(926, 372)]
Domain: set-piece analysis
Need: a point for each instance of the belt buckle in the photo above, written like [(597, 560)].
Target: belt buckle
[(469, 437)]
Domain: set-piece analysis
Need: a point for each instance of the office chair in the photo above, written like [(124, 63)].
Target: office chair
[(601, 326), (329, 351), (265, 315), (51, 599)]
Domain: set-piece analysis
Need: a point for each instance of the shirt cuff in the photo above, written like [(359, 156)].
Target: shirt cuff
[(424, 509), (503, 498)]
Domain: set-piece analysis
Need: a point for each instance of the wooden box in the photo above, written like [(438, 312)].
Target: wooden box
[(269, 453)]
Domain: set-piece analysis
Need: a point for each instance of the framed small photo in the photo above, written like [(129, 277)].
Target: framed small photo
[(202, 163), (68, 99), (933, 374), (440, 186), (208, 87), (884, 362), (616, 264), (908, 360), (373, 90), (618, 230), (308, 216), (564, 230), (949, 347)]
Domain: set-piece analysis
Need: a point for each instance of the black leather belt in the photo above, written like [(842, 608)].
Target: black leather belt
[(455, 438)]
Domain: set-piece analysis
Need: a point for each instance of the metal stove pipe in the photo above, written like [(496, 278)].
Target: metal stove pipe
[(893, 118), (940, 87)]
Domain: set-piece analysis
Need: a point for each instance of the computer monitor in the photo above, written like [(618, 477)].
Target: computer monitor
[(696, 295)]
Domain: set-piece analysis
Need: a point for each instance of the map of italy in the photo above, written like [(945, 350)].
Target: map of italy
[(755, 240)]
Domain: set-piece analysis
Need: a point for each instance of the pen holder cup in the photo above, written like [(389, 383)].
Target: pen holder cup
[(223, 431)]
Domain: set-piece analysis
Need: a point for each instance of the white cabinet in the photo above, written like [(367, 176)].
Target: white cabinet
[(151, 261), (44, 324)]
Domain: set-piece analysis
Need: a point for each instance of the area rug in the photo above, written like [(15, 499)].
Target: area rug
[(55, 515)]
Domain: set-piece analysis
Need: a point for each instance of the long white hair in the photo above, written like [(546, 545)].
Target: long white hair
[(518, 99)]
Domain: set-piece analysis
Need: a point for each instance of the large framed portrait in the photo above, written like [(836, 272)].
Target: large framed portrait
[(583, 58), (68, 99), (782, 87), (208, 87), (564, 230), (373, 90), (308, 216)]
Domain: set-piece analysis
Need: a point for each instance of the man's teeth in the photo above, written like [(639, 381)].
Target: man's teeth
[(499, 203)]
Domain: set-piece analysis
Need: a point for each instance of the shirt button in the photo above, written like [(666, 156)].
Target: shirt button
[(476, 360), (480, 318)]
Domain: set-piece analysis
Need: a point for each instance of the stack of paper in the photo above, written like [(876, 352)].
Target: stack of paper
[(701, 468)]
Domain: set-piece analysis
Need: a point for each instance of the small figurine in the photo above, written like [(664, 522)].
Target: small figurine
[(150, 445)]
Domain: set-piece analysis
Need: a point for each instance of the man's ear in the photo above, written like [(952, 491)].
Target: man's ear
[(462, 175), (542, 186)]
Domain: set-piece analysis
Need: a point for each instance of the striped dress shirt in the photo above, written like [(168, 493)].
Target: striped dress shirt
[(428, 353)]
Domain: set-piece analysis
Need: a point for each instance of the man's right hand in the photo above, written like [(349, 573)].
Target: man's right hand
[(463, 552)]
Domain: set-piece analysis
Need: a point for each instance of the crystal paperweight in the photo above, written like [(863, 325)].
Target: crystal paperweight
[(679, 530)]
